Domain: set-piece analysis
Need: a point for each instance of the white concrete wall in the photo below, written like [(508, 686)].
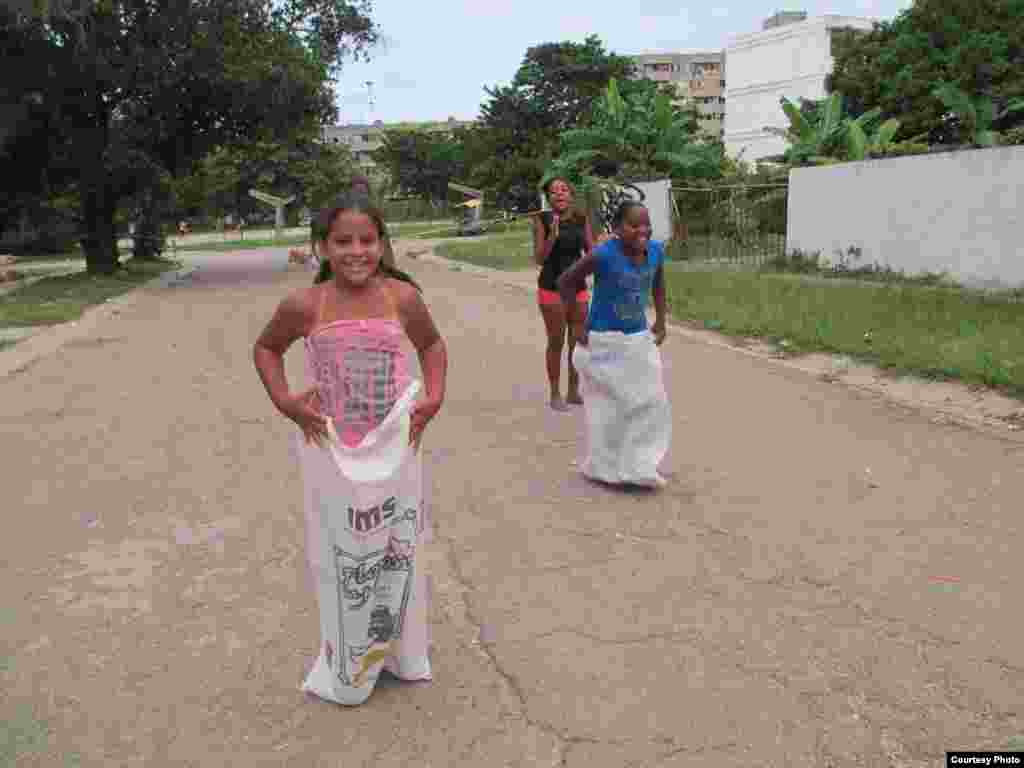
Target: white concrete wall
[(791, 61), (655, 195), (658, 199), (960, 213)]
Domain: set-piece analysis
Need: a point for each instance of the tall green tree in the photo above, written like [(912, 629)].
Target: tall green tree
[(975, 45), (976, 116), (554, 89), (562, 81), (136, 92), (310, 171), (421, 163)]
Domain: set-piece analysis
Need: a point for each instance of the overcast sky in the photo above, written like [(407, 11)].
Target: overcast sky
[(439, 55)]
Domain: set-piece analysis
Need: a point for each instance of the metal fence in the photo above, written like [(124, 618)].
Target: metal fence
[(731, 225)]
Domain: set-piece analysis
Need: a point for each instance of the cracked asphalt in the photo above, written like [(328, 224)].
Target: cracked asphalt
[(828, 580)]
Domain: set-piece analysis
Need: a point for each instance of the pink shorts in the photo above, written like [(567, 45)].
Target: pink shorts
[(545, 297)]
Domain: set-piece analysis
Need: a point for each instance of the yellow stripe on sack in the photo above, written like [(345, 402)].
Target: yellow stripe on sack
[(373, 657)]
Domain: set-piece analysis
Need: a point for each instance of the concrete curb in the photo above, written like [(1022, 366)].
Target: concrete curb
[(49, 339)]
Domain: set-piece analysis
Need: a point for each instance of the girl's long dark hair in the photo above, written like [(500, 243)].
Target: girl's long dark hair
[(320, 227)]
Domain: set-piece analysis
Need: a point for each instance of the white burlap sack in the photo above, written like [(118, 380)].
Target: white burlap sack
[(364, 520), (629, 420)]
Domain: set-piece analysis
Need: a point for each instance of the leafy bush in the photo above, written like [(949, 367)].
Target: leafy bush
[(1013, 136), (905, 148)]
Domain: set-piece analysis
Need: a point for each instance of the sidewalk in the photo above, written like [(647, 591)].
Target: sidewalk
[(828, 580)]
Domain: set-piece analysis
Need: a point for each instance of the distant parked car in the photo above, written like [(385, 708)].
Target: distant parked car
[(470, 228)]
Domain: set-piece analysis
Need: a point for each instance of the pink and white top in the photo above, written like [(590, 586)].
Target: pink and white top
[(360, 368)]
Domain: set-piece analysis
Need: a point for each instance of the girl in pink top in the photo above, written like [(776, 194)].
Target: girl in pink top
[(352, 324)]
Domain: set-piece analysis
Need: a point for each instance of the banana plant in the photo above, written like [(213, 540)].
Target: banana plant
[(861, 145), (642, 134), (812, 139)]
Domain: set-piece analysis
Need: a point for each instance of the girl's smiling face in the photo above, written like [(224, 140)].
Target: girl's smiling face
[(635, 230), (353, 247)]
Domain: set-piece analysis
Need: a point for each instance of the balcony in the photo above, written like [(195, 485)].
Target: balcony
[(706, 87)]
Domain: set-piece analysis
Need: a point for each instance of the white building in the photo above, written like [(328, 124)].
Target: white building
[(790, 57)]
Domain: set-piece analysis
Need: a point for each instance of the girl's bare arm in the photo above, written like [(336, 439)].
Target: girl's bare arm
[(588, 237), (572, 280), (432, 351), (541, 246), (658, 291), (289, 323)]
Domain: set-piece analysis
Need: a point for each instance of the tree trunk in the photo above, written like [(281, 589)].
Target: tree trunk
[(149, 237), (99, 242), (99, 204)]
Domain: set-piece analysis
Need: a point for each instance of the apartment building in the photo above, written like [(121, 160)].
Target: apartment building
[(699, 77), (791, 56), (363, 139)]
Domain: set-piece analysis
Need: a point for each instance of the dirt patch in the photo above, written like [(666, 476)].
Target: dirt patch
[(949, 401)]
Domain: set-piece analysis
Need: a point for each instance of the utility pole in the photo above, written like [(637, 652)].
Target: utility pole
[(369, 100)]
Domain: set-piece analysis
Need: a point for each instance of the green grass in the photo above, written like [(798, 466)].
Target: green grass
[(934, 331), (61, 299), (752, 250), (931, 330), (437, 232), (404, 230), (21, 735), (238, 245), (42, 258), (510, 251)]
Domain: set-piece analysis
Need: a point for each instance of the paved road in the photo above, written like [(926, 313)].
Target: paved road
[(829, 580)]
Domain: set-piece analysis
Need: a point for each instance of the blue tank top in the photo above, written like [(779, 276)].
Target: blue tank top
[(621, 289)]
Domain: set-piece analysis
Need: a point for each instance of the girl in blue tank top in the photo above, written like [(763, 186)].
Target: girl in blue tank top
[(627, 269)]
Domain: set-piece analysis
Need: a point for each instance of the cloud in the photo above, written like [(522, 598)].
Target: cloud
[(720, 12)]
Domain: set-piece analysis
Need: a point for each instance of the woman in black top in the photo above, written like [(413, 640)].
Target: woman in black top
[(560, 237)]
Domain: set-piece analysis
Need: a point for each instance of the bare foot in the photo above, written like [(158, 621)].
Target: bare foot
[(574, 398), (558, 404)]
